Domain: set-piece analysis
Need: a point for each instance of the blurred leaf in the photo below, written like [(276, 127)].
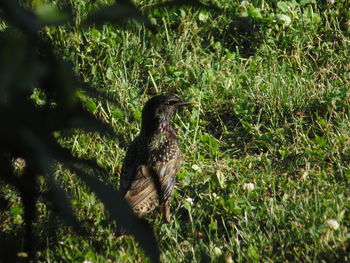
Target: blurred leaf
[(49, 13), (3, 203), (9, 248), (93, 92), (189, 3), (90, 105), (6, 171), (40, 96), (122, 213), (118, 13), (83, 119), (58, 198), (20, 17)]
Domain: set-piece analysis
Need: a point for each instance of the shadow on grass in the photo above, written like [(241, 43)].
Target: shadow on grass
[(242, 35), (339, 254), (11, 247), (235, 125)]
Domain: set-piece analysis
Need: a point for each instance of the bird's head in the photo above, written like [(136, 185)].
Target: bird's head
[(159, 111)]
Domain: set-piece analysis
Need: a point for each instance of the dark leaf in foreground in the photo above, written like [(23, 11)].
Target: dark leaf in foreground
[(59, 200), (122, 213), (188, 3), (29, 197), (20, 17), (3, 203), (28, 64), (118, 13)]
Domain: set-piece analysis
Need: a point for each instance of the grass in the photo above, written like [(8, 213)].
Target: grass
[(273, 113)]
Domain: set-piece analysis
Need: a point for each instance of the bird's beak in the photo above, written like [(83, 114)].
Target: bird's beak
[(185, 103)]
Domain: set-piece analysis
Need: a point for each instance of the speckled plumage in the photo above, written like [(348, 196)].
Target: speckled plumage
[(155, 153)]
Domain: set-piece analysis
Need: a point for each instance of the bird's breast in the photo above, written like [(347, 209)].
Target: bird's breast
[(164, 148)]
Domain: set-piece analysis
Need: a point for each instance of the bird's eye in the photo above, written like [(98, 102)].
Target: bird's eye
[(171, 102)]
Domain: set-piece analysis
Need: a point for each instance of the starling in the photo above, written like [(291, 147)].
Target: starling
[(153, 158)]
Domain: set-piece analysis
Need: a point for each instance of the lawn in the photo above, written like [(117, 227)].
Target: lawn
[(266, 152)]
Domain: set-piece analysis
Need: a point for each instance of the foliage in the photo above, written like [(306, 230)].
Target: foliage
[(39, 98), (266, 153)]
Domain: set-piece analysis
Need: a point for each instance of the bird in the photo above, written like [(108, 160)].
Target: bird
[(153, 158)]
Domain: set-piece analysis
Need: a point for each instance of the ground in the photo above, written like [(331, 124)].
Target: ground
[(265, 172)]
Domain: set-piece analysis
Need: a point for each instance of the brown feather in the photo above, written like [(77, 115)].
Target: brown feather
[(153, 159)]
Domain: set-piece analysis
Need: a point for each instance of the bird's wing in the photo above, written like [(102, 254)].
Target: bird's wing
[(166, 172), (142, 187), (130, 167)]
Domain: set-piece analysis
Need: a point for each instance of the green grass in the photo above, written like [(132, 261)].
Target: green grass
[(273, 110)]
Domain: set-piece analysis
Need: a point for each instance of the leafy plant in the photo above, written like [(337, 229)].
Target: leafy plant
[(39, 97), (42, 97), (265, 169)]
